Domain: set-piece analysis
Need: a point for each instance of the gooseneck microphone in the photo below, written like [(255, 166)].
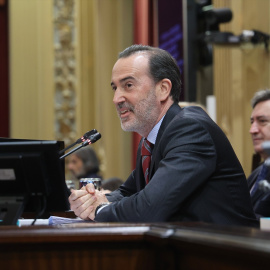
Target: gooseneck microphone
[(89, 140), (82, 139)]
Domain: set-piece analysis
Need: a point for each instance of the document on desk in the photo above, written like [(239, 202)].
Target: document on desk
[(28, 222), (55, 220), (265, 223)]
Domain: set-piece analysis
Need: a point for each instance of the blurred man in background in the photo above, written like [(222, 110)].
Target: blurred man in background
[(260, 132), (111, 184), (84, 163)]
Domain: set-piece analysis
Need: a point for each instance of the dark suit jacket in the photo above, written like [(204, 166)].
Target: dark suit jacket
[(194, 176), (260, 200)]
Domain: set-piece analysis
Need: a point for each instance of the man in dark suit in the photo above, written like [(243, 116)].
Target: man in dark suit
[(260, 132), (194, 173)]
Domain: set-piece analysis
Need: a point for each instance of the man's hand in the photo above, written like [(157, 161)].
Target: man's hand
[(84, 201)]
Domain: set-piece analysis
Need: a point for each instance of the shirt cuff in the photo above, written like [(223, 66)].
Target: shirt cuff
[(100, 207)]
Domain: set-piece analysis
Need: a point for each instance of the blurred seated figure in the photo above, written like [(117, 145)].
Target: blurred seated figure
[(183, 104), (260, 132), (84, 163), (111, 184)]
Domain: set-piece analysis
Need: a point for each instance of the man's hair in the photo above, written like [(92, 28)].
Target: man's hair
[(161, 65), (89, 159), (259, 96), (112, 183)]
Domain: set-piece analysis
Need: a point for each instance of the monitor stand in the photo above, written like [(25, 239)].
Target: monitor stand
[(11, 209)]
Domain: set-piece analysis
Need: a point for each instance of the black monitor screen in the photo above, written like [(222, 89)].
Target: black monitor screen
[(32, 170)]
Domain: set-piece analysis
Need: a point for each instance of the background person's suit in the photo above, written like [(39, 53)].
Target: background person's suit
[(194, 176), (260, 199)]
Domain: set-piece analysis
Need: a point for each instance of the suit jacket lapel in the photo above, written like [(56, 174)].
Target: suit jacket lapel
[(253, 177), (258, 193), (171, 113)]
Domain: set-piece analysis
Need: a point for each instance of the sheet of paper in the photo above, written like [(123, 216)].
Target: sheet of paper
[(28, 222), (265, 223), (54, 220)]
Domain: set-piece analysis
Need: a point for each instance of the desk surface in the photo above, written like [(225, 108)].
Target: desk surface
[(141, 246)]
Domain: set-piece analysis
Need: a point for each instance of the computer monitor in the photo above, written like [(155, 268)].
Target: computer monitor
[(32, 179)]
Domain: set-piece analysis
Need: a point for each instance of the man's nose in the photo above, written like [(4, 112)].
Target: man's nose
[(254, 128), (118, 97)]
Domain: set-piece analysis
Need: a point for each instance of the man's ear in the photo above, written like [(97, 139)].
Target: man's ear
[(165, 87)]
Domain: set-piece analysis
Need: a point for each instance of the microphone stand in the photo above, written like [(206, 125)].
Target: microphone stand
[(76, 148), (82, 139), (64, 150), (90, 140)]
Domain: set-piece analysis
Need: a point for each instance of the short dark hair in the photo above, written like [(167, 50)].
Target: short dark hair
[(112, 183), (89, 159), (161, 65), (259, 96)]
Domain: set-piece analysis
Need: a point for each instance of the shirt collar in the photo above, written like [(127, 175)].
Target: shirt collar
[(152, 136)]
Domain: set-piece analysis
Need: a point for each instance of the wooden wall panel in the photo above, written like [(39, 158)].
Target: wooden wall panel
[(102, 29), (31, 70)]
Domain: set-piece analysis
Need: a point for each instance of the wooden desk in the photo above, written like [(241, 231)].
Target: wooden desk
[(204, 246), (133, 246)]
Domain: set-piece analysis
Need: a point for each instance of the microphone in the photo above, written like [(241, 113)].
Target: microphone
[(90, 140), (264, 186), (86, 135), (82, 139), (93, 138)]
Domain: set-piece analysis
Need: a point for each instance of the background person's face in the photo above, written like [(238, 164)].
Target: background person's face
[(75, 165), (260, 125)]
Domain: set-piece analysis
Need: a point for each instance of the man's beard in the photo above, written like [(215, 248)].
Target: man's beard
[(145, 114)]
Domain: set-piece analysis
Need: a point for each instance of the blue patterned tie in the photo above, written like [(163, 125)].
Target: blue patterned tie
[(261, 176)]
